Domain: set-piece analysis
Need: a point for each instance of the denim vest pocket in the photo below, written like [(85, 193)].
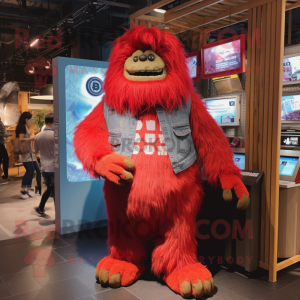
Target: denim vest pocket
[(115, 139), (183, 134)]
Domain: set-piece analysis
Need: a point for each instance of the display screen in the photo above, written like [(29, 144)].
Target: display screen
[(287, 165), (290, 110), (83, 90), (192, 63), (239, 160), (223, 110), (221, 58), (291, 68)]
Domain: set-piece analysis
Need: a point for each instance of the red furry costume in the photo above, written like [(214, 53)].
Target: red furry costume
[(158, 207)]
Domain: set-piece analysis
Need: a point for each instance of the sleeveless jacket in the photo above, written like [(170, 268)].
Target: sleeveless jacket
[(175, 127)]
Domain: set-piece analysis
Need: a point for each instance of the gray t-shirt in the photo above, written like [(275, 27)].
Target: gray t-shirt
[(44, 143)]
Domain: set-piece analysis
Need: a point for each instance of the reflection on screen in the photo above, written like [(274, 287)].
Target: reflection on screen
[(290, 108), (192, 65), (222, 58), (84, 90), (222, 110), (287, 165), (239, 160), (291, 68)]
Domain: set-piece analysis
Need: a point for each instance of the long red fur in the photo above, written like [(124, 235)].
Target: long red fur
[(158, 198), (122, 93)]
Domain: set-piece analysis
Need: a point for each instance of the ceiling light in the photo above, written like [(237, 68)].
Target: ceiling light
[(33, 43), (158, 10)]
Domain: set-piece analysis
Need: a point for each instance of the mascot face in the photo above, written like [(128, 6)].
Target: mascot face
[(144, 66), (147, 67)]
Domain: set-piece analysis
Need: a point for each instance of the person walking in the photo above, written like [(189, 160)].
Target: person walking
[(44, 144), (28, 159), (3, 152)]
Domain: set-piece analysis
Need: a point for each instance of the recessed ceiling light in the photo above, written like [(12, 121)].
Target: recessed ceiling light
[(158, 10)]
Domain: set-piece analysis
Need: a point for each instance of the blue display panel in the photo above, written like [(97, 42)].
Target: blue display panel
[(192, 64), (290, 108), (83, 91), (224, 111), (239, 160), (287, 165)]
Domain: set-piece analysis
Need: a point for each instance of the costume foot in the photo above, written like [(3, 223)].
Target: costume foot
[(116, 272), (193, 280)]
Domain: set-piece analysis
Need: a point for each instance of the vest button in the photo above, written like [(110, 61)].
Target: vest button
[(133, 123)]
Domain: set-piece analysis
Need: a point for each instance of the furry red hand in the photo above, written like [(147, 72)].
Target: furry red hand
[(113, 167), (230, 182)]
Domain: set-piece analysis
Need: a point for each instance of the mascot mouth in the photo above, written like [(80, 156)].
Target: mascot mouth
[(146, 72)]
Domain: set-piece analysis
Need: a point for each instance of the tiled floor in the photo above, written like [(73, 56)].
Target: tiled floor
[(71, 276), (70, 269), (17, 216)]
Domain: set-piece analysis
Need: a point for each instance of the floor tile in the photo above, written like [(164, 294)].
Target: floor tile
[(89, 280), (68, 289), (293, 289), (4, 291), (242, 286), (12, 265), (222, 293), (64, 270), (46, 243), (35, 295), (92, 251), (277, 295), (284, 280), (20, 283), (8, 252), (116, 294), (149, 290), (87, 298)]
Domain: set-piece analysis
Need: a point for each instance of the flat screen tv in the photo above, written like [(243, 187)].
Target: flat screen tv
[(225, 57), (225, 110), (239, 160), (290, 109), (291, 69), (194, 64)]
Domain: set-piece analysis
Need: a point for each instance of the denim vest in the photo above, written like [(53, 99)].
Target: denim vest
[(175, 127)]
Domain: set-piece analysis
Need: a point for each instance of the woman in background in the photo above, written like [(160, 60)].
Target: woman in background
[(28, 159)]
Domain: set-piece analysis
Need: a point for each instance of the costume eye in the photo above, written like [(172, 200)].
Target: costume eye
[(135, 59), (151, 57)]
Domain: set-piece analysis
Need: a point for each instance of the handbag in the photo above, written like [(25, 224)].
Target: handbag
[(21, 146)]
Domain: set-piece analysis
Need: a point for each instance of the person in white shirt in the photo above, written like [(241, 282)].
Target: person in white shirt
[(44, 144)]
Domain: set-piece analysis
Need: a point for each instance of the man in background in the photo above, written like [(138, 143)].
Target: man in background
[(44, 144), (3, 152)]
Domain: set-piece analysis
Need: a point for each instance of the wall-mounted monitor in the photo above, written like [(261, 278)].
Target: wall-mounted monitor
[(291, 69), (194, 64), (289, 165), (225, 57), (239, 160), (290, 109), (225, 110)]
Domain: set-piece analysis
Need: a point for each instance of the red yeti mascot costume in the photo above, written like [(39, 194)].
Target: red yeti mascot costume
[(150, 197)]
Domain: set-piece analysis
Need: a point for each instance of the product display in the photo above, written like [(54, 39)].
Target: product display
[(223, 57), (147, 138), (291, 69), (224, 110), (290, 108)]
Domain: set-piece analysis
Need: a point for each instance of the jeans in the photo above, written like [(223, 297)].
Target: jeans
[(27, 179), (49, 181), (4, 159)]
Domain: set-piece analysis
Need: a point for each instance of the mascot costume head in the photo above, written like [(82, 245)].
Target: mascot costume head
[(148, 139)]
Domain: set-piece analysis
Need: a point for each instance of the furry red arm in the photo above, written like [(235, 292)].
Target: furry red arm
[(212, 147), (91, 139)]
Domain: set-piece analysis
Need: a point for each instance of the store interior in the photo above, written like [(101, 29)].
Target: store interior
[(244, 59)]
